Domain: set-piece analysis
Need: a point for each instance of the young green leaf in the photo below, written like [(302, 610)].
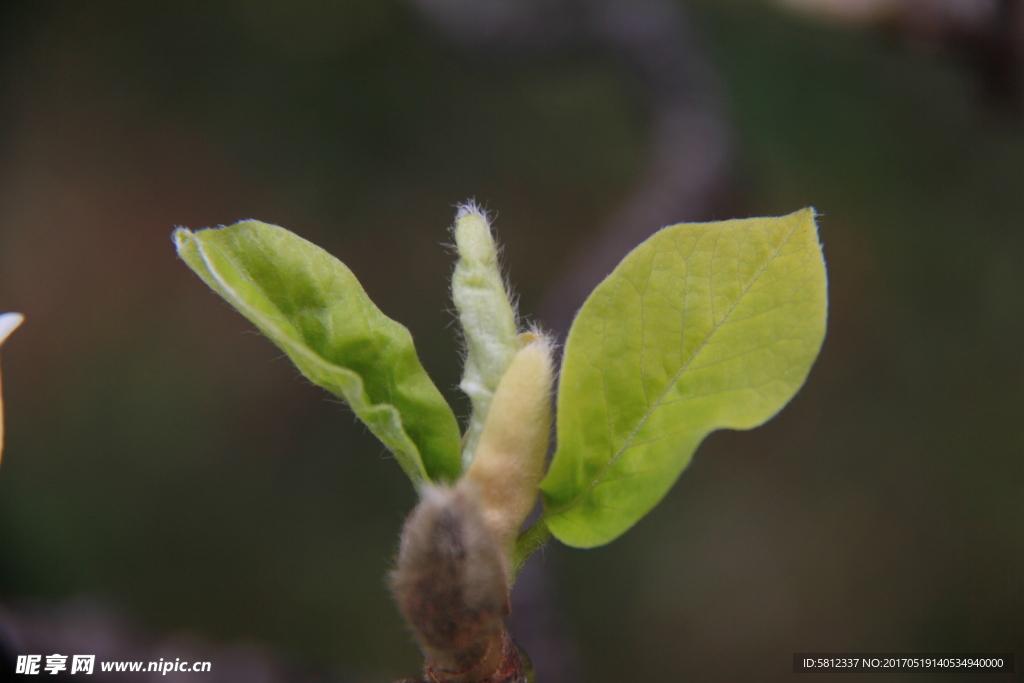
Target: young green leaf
[(311, 305), (704, 326)]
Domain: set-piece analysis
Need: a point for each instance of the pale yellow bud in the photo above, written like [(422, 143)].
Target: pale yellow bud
[(509, 461)]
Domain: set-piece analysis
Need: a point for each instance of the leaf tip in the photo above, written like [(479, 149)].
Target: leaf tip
[(180, 236), (809, 213)]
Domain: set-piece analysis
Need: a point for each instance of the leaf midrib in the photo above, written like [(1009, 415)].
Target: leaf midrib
[(679, 373)]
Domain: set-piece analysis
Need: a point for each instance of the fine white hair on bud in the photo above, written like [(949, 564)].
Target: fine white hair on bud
[(486, 314), (509, 461), (450, 582)]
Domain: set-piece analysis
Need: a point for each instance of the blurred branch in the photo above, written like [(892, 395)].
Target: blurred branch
[(988, 35)]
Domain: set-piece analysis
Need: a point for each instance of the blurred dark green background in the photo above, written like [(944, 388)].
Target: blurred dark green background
[(164, 458)]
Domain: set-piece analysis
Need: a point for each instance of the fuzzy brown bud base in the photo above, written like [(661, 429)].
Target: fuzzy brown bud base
[(451, 586)]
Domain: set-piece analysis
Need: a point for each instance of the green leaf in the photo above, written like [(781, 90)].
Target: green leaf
[(313, 307), (704, 326)]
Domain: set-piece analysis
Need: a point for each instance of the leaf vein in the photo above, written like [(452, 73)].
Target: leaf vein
[(627, 444)]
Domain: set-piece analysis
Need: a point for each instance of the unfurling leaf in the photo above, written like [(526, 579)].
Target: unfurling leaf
[(486, 315), (704, 326), (313, 307)]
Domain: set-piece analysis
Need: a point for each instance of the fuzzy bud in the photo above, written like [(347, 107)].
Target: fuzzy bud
[(486, 314), (509, 461), (451, 586)]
